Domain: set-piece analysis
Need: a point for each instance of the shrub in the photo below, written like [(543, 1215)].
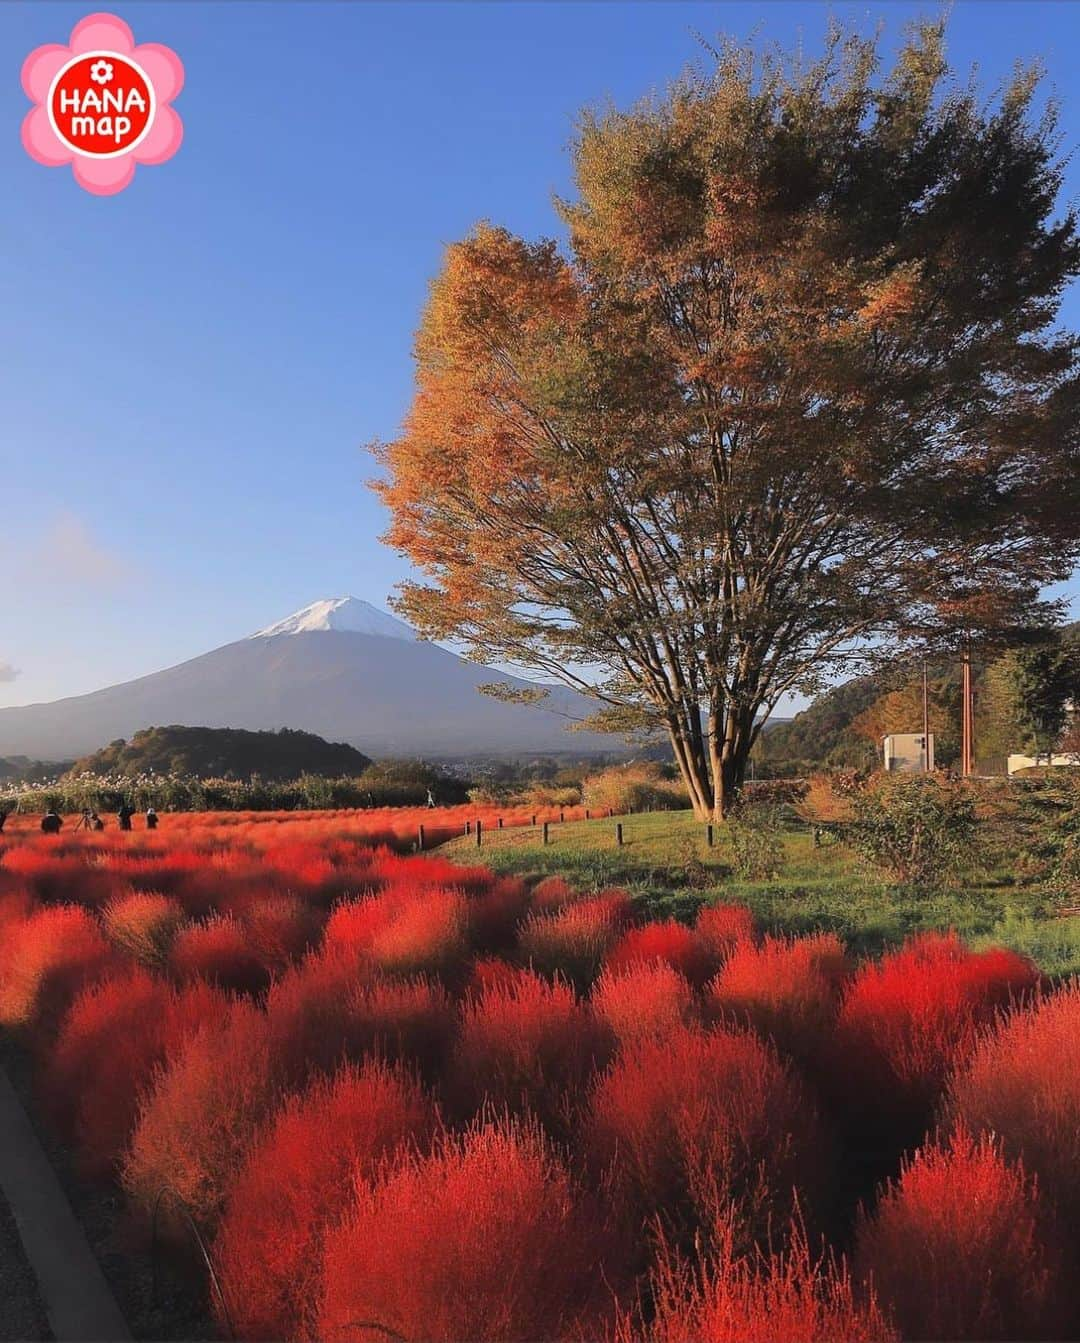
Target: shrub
[(295, 1184), (672, 943), (721, 928), (410, 1021), (1022, 1083), (279, 929), (646, 998), (219, 951), (114, 1036), (785, 1297), (45, 960), (786, 988), (907, 1020), (196, 1124), (309, 1012), (691, 1122), (526, 1044), (956, 1247), (918, 829), (757, 841), (573, 941), (486, 1239), (552, 893), (494, 915), (425, 936), (143, 924), (640, 785)]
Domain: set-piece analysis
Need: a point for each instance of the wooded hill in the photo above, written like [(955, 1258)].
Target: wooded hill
[(844, 726), (225, 753)]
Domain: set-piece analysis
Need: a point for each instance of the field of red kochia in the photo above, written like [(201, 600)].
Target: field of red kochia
[(405, 1098)]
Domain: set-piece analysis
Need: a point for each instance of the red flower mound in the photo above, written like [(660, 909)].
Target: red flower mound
[(644, 999), (486, 1239), (410, 1021), (1022, 1083), (907, 1020), (354, 923), (552, 893), (785, 1298), (672, 943), (425, 936), (280, 928), (310, 1015), (695, 1121), (295, 1184), (526, 1044), (721, 928), (220, 952), (494, 915), (573, 941), (143, 924), (45, 960), (196, 1124), (786, 988), (957, 1247), (113, 1037)]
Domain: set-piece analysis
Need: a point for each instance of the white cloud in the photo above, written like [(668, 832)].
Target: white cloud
[(8, 672)]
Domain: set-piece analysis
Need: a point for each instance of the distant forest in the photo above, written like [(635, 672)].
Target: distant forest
[(225, 753)]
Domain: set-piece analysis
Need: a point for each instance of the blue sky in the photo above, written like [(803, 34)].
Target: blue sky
[(189, 371)]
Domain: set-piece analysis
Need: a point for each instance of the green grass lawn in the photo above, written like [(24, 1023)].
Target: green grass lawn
[(666, 862)]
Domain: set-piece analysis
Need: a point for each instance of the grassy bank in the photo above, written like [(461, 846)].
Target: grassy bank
[(666, 862)]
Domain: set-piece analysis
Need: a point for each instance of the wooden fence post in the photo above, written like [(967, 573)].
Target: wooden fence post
[(545, 832), (710, 839), (420, 838), (479, 832), (618, 833)]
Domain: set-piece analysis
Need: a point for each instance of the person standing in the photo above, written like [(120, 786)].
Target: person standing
[(151, 818), (51, 822), (124, 813)]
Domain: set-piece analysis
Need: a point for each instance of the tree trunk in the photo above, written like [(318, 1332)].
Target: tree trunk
[(713, 783)]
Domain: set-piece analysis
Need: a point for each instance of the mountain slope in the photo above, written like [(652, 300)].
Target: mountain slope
[(324, 670)]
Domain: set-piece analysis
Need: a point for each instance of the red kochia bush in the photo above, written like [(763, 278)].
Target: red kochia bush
[(425, 936), (45, 960), (785, 988), (411, 1021), (486, 1239), (1022, 1083), (280, 928), (644, 999), (573, 941), (670, 942), (905, 1021), (693, 1121), (196, 1124), (297, 1181), (526, 1044), (111, 1040), (721, 928), (957, 1247), (310, 1015), (143, 924), (219, 951), (789, 1297)]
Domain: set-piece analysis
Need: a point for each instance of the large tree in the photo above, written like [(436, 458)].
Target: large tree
[(790, 398)]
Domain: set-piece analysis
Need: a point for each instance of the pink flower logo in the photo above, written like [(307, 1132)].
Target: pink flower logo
[(102, 104)]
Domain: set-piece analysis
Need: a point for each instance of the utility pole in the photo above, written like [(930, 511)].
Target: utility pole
[(966, 716), (925, 722)]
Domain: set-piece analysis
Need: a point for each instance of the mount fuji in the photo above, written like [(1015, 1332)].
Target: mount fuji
[(341, 668)]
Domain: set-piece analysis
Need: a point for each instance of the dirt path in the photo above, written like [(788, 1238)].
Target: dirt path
[(23, 1316), (70, 1286)]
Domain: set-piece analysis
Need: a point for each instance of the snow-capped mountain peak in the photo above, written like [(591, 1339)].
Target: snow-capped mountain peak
[(348, 614)]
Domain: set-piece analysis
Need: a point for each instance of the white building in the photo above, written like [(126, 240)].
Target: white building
[(909, 752)]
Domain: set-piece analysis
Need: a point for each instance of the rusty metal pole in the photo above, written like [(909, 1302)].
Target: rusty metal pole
[(925, 721), (966, 753)]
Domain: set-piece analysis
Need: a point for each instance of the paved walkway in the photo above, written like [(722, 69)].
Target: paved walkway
[(73, 1291)]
